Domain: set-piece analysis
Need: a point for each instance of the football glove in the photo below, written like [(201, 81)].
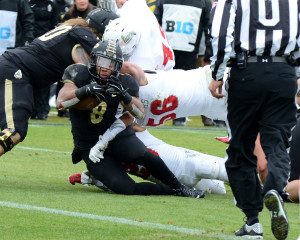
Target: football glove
[(115, 87), (96, 152), (92, 89)]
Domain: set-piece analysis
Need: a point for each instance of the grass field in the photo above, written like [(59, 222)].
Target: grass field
[(37, 201)]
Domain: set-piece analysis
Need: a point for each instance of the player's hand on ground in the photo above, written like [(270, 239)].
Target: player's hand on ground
[(215, 88)]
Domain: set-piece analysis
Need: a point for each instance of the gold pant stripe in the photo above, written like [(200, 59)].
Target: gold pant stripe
[(8, 104)]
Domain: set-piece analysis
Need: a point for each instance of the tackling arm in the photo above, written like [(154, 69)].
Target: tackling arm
[(135, 71), (136, 108)]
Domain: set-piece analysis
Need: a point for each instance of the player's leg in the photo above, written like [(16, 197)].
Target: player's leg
[(278, 117), (8, 139), (211, 186), (15, 106), (131, 150), (111, 173), (196, 166), (293, 187)]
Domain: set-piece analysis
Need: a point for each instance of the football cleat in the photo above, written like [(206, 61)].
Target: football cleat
[(254, 231), (223, 139), (185, 191), (279, 220), (75, 178)]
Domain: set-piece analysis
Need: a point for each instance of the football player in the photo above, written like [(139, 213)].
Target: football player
[(165, 97), (101, 79), (40, 64), (168, 95), (140, 36), (190, 167)]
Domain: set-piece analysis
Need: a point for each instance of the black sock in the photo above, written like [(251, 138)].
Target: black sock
[(252, 220)]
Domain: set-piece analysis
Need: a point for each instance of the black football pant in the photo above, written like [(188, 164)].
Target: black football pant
[(295, 152), (261, 98), (127, 148)]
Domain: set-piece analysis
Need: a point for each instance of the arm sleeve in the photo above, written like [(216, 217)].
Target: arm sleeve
[(27, 20), (222, 28)]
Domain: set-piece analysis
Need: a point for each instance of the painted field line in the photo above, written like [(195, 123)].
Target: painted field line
[(41, 149), (114, 220)]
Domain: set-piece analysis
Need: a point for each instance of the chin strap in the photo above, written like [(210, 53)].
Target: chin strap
[(5, 140)]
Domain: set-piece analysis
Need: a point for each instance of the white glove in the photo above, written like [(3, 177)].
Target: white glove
[(86, 178), (109, 5), (96, 152)]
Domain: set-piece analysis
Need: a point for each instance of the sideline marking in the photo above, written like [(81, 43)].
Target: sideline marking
[(113, 220)]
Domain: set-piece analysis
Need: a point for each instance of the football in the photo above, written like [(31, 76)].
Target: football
[(87, 103)]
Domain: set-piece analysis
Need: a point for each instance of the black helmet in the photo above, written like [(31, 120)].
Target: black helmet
[(105, 54), (99, 18)]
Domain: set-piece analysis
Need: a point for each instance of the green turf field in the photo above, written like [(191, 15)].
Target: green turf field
[(37, 201)]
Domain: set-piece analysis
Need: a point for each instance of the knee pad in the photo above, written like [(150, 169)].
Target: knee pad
[(5, 140)]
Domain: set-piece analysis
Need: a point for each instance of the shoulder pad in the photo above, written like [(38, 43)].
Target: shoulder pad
[(76, 73)]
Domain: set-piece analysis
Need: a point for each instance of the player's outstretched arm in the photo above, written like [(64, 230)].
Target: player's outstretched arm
[(135, 71)]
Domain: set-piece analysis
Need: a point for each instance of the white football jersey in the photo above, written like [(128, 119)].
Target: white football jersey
[(153, 51), (179, 93), (187, 165)]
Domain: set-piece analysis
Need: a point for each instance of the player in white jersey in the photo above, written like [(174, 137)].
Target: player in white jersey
[(140, 36), (189, 167), (179, 93)]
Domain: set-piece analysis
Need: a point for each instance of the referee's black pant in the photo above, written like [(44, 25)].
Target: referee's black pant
[(261, 98)]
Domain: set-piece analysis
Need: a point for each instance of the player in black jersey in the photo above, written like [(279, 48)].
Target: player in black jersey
[(102, 80), (38, 65)]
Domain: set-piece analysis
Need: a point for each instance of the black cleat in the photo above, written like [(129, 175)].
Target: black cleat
[(254, 231), (185, 191), (279, 220)]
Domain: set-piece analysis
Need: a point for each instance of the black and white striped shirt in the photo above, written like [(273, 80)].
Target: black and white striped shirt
[(259, 27)]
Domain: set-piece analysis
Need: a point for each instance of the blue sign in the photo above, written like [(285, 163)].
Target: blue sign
[(180, 27), (4, 33)]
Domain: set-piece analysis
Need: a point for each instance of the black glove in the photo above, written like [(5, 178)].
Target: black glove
[(116, 87), (92, 89)]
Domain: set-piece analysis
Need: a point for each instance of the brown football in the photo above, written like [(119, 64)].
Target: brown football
[(87, 103)]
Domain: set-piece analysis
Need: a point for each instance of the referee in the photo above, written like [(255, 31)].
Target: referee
[(257, 36)]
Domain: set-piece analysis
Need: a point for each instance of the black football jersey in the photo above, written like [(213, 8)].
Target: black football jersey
[(87, 125), (46, 58)]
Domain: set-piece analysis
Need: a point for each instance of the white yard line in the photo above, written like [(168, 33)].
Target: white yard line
[(113, 220), (107, 218), (41, 149)]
